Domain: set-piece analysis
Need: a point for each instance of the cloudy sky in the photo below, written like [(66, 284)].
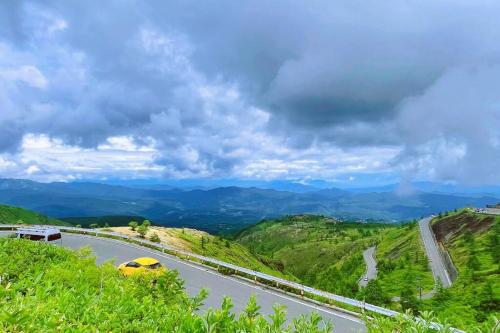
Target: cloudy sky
[(298, 90)]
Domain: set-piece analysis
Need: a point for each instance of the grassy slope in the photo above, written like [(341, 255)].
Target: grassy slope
[(15, 215), (319, 251), (213, 246), (47, 288), (402, 249), (467, 235)]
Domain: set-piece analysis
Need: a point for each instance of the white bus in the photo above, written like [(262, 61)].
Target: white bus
[(39, 233)]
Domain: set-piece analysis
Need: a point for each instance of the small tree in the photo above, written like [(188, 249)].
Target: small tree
[(94, 225), (143, 228), (106, 225), (133, 225), (408, 299), (228, 245), (142, 231), (373, 293), (202, 242), (154, 238), (442, 294)]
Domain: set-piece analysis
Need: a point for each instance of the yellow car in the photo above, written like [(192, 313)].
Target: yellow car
[(142, 265)]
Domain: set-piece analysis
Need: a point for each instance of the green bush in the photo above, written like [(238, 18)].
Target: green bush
[(133, 225), (154, 238), (142, 230)]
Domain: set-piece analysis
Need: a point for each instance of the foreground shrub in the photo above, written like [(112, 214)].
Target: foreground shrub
[(45, 288), (423, 324)]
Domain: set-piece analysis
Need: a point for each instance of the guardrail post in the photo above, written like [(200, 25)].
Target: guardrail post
[(255, 278), (302, 293)]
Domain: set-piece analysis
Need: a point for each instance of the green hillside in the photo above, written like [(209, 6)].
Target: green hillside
[(402, 263), (15, 215), (473, 241), (205, 244), (320, 251), (327, 254)]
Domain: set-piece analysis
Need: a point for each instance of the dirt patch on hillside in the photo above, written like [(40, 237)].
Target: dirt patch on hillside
[(452, 226), (168, 236)]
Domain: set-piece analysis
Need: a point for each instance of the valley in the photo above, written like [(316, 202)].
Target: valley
[(225, 210)]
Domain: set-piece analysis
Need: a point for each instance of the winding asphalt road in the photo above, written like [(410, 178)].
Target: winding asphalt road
[(197, 277), (371, 266), (431, 248)]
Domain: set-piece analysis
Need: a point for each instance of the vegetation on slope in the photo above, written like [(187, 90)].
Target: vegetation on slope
[(473, 241), (205, 244), (320, 251), (15, 215), (402, 264), (45, 288)]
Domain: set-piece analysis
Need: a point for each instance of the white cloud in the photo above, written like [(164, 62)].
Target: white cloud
[(450, 130), (48, 159), (27, 74)]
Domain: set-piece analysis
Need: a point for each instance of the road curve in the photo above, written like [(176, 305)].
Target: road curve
[(197, 277), (431, 248), (371, 266)]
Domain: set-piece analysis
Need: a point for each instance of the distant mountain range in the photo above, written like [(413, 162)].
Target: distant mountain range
[(224, 208)]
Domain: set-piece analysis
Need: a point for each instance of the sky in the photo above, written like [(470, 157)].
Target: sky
[(353, 91)]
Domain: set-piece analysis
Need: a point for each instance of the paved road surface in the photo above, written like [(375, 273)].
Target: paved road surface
[(371, 266), (197, 277), (492, 211), (431, 248)]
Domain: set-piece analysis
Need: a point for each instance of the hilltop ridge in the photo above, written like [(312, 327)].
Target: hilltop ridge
[(16, 215)]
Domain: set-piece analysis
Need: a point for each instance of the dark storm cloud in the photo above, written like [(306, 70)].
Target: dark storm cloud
[(195, 75)]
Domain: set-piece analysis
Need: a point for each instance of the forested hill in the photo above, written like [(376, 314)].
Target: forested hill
[(15, 215)]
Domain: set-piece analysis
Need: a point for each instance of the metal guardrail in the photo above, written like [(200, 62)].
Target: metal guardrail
[(272, 280)]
